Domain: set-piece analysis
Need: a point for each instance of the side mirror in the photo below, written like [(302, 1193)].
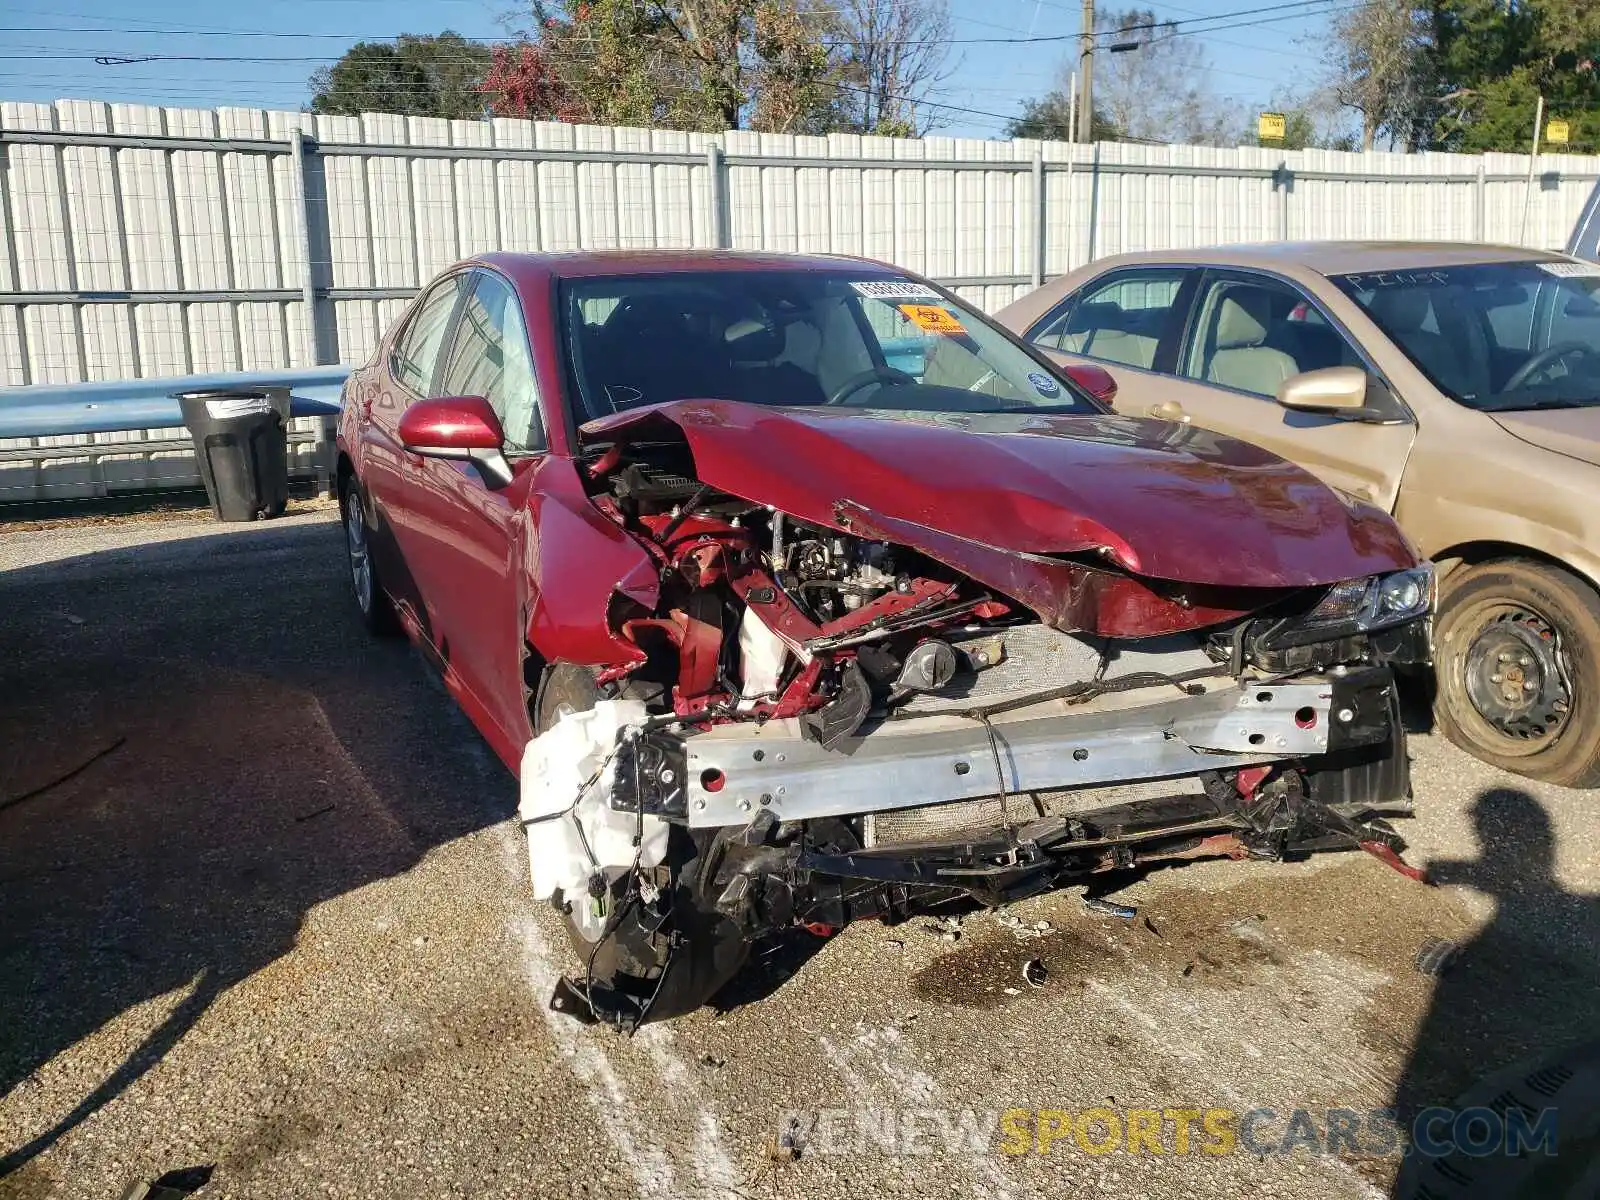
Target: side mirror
[(1340, 392), (460, 427), (1092, 378)]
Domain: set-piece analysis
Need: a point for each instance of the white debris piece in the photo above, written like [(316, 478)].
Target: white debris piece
[(763, 654), (555, 766)]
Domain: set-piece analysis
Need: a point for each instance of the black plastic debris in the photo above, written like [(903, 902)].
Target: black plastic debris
[(173, 1185)]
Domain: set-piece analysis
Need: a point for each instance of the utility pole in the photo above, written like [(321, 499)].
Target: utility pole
[(1533, 161), (1085, 130)]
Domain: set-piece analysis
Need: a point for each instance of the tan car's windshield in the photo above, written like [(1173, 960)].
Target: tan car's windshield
[(1494, 336), (795, 338)]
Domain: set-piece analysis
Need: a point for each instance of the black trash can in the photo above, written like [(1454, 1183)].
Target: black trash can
[(241, 442)]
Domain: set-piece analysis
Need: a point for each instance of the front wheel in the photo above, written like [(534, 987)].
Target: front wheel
[(1518, 662), (623, 947), (377, 613)]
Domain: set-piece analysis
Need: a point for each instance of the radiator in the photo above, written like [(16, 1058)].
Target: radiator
[(1037, 658), (964, 818)]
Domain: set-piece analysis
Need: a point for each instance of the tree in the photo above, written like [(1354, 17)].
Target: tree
[(1492, 61), (1305, 129), (416, 75), (1379, 67), (522, 82), (795, 89), (896, 53), (704, 65), (783, 66), (1312, 121), (1160, 92), (1049, 119), (1157, 92), (607, 58)]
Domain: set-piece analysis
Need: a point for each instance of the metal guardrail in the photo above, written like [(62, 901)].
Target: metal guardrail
[(126, 406), (120, 406)]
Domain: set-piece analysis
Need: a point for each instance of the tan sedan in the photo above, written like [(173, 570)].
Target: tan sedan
[(1457, 386)]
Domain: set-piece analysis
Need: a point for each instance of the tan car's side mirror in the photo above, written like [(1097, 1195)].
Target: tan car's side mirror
[(1348, 393), (1329, 390)]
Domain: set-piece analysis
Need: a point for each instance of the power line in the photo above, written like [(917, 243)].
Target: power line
[(1204, 35), (217, 31), (1180, 28), (1309, 5), (1202, 26)]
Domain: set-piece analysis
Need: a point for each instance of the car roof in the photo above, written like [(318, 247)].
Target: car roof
[(1340, 258), (576, 264)]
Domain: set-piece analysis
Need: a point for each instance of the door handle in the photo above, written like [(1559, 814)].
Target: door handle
[(1167, 410)]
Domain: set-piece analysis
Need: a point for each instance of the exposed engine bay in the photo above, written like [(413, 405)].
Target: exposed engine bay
[(820, 720)]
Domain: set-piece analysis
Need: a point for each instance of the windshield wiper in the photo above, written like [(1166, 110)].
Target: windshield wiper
[(1047, 410), (1558, 402)]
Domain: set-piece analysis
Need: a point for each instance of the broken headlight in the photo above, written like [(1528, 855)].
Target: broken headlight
[(1362, 605), (1356, 606)]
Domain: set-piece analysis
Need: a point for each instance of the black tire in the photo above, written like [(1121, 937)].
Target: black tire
[(632, 959), (372, 602), (711, 948), (1511, 629)]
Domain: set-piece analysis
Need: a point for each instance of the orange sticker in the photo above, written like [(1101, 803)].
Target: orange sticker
[(932, 318)]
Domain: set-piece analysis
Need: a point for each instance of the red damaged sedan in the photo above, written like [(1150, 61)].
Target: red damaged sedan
[(797, 591)]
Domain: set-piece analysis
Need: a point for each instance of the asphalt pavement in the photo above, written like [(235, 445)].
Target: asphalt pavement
[(264, 919)]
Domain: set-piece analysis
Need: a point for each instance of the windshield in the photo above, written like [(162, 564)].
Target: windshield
[(1494, 336), (795, 338)]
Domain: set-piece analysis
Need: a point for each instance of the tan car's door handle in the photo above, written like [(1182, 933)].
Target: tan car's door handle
[(1167, 410)]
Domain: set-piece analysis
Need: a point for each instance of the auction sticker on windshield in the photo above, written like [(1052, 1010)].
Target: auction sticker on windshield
[(932, 318), (895, 289), (1569, 270)]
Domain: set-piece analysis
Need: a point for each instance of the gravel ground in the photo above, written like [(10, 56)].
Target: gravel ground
[(276, 925)]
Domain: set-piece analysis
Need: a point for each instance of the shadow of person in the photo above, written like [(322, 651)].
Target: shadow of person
[(198, 745), (1523, 993)]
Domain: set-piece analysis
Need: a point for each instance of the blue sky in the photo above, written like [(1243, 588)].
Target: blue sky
[(46, 53)]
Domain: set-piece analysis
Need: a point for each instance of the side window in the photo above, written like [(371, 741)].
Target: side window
[(1574, 317), (489, 357), (1252, 334), (417, 348), (1119, 319)]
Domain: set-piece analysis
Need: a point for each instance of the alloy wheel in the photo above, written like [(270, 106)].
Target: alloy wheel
[(355, 537)]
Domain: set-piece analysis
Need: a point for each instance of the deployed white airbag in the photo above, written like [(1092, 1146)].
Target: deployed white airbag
[(555, 766)]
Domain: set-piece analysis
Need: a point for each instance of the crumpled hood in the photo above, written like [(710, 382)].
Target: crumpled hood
[(1574, 432), (1161, 500)]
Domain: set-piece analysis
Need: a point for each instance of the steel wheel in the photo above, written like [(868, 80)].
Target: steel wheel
[(1517, 651), (1516, 676)]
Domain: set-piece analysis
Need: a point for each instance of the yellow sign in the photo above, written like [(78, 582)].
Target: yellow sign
[(931, 318), (1556, 132), (1271, 127)]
